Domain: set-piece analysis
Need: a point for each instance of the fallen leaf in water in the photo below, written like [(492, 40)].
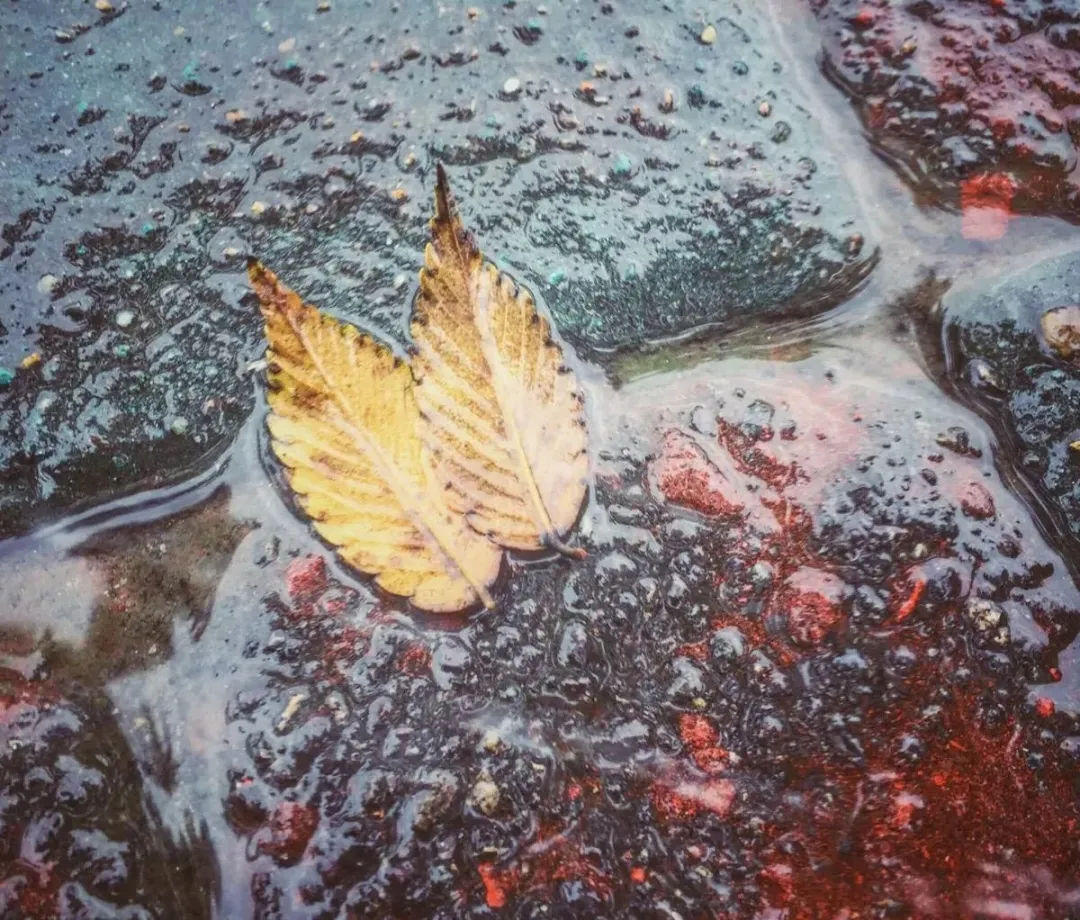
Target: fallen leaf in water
[(345, 424), (503, 416)]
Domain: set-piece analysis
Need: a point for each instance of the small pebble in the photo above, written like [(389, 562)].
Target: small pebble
[(323, 7), (708, 35), (287, 46), (47, 283), (291, 708), (484, 796), (258, 208), (1061, 330), (491, 742), (764, 109), (511, 87), (667, 103), (235, 115), (103, 6), (179, 425), (125, 318), (356, 137), (30, 360)]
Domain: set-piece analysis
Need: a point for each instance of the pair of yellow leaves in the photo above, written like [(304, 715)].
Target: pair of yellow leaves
[(422, 473)]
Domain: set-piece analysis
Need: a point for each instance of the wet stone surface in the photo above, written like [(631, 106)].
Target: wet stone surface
[(1011, 354), (776, 683), (974, 101), (75, 838), (820, 661), (819, 658), (640, 179)]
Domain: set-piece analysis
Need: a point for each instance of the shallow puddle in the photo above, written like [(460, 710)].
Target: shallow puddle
[(821, 657)]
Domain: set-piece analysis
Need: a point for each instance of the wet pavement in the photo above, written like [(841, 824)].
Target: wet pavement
[(821, 660)]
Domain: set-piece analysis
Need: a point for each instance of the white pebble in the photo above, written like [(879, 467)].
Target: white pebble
[(484, 796)]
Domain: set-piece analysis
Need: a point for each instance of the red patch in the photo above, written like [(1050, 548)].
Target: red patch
[(752, 459), (305, 578), (552, 858), (696, 731), (976, 502), (686, 476), (415, 660), (907, 608), (1044, 707), (700, 737), (777, 882), (986, 205), (637, 875), (494, 892), (699, 651), (291, 827), (811, 599), (682, 800), (863, 19)]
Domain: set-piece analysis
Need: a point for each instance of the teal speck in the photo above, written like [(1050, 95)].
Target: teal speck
[(622, 165), (291, 64), (80, 250), (122, 350), (190, 70), (557, 277), (581, 58), (82, 107), (6, 376), (147, 228), (491, 121), (534, 25)]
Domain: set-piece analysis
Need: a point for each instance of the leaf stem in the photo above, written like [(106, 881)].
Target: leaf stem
[(574, 552)]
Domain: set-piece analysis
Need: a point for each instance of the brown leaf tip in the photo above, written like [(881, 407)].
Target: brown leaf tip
[(259, 276), (272, 295), (444, 203)]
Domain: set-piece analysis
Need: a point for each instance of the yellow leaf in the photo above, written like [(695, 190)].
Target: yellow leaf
[(503, 416), (344, 422)]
